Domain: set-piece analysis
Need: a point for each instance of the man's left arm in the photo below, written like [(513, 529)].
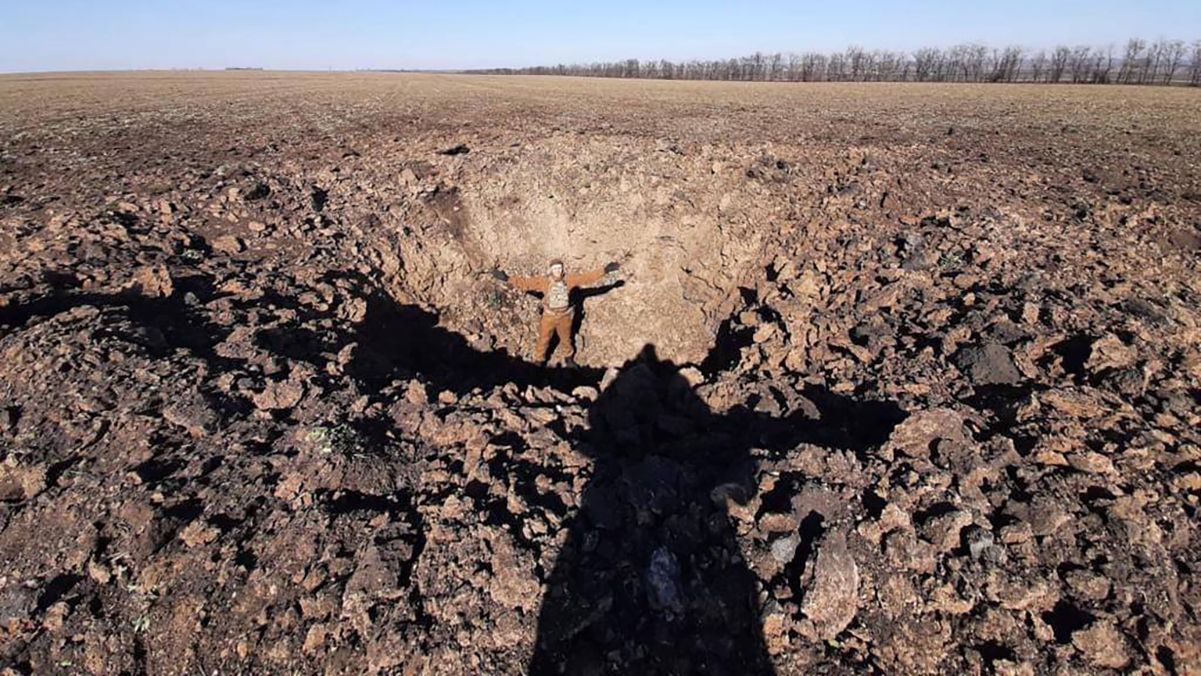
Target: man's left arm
[(593, 276)]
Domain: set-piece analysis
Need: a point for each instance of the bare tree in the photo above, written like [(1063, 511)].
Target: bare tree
[(1078, 63), (757, 66), (836, 67), (890, 66), (1150, 69), (1130, 60), (854, 60), (1102, 65), (1162, 63), (871, 66), (925, 63), (1195, 65), (977, 57), (1059, 62), (1005, 64), (792, 69), (775, 66), (1038, 66), (955, 67), (1173, 56), (813, 66)]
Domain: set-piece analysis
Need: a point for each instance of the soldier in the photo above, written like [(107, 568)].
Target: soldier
[(558, 313)]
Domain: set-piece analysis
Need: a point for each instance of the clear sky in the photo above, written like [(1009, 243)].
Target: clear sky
[(40, 35)]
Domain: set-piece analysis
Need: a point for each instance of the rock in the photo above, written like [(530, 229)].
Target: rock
[(513, 582), (692, 375), (1030, 313), (416, 393), (917, 435), (257, 192), (664, 584), (1046, 516), (1075, 403), (902, 549), (1102, 645), (9, 417), (810, 284), (279, 395), (1109, 352), (784, 549), (99, 573), (1186, 239), (1145, 309), (198, 533), (19, 482), (913, 645), (1176, 401), (55, 616), (773, 522), (1087, 585), (989, 363), (193, 414), (314, 639), (830, 587), (943, 531), (227, 244), (763, 333), (152, 281), (374, 580), (1016, 533), (1006, 332), (1091, 462), (775, 628), (585, 393), (815, 498), (1131, 381), (607, 379), (353, 309)]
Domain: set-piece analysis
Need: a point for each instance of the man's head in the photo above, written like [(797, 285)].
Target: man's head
[(556, 269)]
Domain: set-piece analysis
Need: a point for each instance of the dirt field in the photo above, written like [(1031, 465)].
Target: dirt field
[(899, 378)]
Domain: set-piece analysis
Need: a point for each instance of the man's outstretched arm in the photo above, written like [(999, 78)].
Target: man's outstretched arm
[(538, 284), (592, 277)]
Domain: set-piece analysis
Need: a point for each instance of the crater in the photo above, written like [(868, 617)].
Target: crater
[(685, 228)]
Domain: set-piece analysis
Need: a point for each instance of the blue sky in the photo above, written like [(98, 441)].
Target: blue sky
[(118, 34)]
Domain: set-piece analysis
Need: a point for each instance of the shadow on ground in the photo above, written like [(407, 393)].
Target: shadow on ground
[(650, 578)]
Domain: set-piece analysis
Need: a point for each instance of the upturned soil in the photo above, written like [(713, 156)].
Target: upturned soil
[(892, 378)]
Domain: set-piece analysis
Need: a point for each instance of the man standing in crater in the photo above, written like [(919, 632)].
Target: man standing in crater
[(558, 308)]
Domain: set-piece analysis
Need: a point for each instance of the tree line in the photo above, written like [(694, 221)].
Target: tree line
[(1141, 62)]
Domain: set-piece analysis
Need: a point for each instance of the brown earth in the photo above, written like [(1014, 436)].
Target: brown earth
[(923, 395)]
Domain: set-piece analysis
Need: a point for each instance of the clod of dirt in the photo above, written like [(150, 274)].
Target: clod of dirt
[(279, 395), (21, 483), (919, 434), (1102, 645), (988, 364), (227, 244), (830, 587)]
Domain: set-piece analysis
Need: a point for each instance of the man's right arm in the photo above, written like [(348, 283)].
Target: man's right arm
[(537, 284)]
